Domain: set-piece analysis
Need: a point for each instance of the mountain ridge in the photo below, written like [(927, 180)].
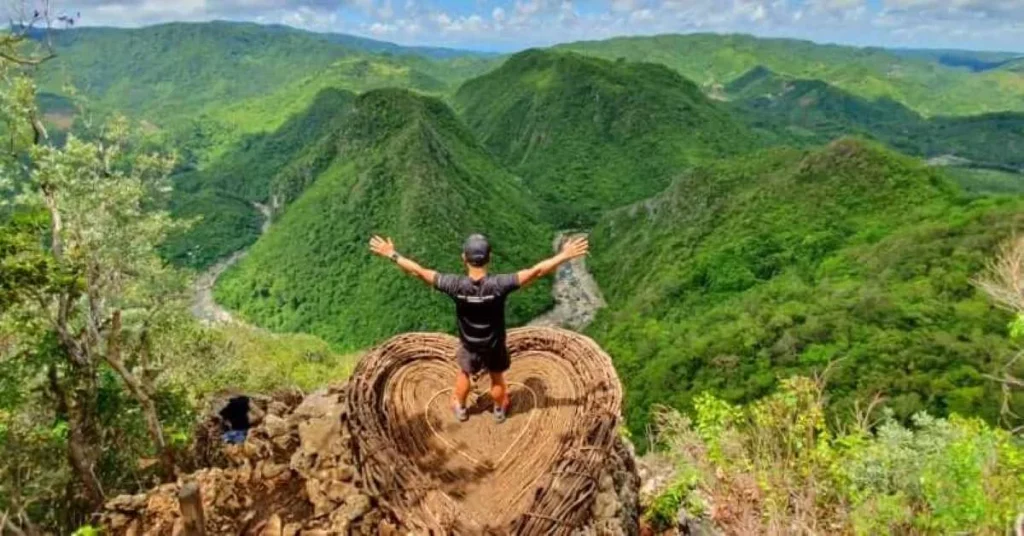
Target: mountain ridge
[(410, 171), (572, 126), (748, 271)]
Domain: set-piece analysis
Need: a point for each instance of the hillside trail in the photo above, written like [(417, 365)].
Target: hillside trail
[(204, 306)]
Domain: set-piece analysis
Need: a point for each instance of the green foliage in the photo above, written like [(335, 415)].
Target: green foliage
[(981, 181), (410, 171), (785, 468), (811, 111), (782, 263), (920, 84), (587, 134), (231, 358), (170, 72), (271, 168)]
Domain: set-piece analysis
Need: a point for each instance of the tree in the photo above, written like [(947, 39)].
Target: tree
[(1003, 281), (86, 290)]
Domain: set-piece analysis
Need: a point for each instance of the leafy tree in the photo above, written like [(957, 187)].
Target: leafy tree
[(84, 288)]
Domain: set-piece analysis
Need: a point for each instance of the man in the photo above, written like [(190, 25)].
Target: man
[(480, 308)]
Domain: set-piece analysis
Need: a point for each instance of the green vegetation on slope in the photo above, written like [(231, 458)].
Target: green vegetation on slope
[(922, 85), (811, 111), (775, 464), (411, 171), (975, 60), (587, 134), (988, 181), (262, 168), (173, 70), (744, 272), (237, 78)]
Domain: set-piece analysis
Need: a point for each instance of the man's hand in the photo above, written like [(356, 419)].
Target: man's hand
[(382, 246), (571, 249), (575, 247), (386, 248)]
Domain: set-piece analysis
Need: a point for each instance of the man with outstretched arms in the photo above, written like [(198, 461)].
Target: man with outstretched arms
[(480, 309)]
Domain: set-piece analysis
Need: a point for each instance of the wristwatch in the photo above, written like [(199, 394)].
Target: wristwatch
[(395, 256)]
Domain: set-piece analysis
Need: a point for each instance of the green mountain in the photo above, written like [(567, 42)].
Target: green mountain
[(1016, 66), (169, 73), (354, 73), (588, 134), (751, 270), (974, 60), (271, 169), (811, 111), (923, 85), (409, 169)]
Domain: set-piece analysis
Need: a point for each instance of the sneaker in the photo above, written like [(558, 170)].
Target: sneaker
[(461, 414), (500, 414)]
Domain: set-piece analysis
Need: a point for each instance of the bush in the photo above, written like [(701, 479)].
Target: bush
[(774, 467)]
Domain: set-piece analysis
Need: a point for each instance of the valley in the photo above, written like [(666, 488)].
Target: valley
[(795, 294)]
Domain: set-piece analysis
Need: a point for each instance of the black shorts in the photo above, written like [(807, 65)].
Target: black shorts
[(473, 361)]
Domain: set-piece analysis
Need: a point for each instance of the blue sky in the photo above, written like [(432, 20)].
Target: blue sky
[(514, 24)]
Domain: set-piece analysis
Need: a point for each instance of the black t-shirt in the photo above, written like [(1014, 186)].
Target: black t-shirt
[(480, 307)]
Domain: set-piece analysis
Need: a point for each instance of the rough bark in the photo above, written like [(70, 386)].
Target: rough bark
[(82, 453), (141, 393)]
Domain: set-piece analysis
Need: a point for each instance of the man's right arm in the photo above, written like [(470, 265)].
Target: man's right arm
[(571, 249), (386, 248)]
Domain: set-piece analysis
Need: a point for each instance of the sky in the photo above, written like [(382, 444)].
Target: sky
[(507, 25)]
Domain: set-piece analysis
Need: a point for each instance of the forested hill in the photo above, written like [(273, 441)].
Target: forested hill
[(409, 170), (801, 111), (752, 270), (269, 168), (168, 73), (925, 86), (588, 134)]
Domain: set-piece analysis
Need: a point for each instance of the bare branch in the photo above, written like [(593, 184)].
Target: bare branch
[(1003, 278)]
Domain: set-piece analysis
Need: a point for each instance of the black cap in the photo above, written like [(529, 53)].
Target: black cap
[(477, 250)]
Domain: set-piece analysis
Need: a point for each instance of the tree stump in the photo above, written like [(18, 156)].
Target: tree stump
[(190, 500)]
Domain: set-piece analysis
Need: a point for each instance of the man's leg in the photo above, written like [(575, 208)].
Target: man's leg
[(462, 383), (499, 390)]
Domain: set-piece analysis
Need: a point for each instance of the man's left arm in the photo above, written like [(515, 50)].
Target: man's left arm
[(386, 248)]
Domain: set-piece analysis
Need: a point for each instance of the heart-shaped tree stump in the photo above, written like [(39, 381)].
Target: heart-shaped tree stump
[(534, 474)]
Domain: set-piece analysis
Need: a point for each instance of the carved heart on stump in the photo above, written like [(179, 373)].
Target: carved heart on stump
[(533, 474)]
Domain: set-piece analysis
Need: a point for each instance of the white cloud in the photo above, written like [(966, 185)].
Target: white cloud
[(521, 23), (624, 6), (641, 15)]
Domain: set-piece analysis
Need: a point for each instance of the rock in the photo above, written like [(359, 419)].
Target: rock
[(385, 528), (291, 529), (118, 521), (284, 442), (356, 506), (339, 491), (346, 473), (277, 408), (606, 505), (313, 406), (126, 503), (273, 470), (315, 434), (607, 482), (275, 426), (273, 527)]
